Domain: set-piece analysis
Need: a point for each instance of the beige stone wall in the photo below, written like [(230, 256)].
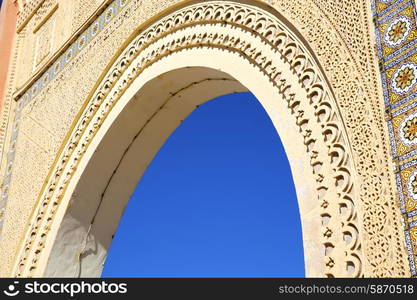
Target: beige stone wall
[(337, 32)]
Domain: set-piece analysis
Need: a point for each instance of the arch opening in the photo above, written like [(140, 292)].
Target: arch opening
[(217, 200), (123, 155)]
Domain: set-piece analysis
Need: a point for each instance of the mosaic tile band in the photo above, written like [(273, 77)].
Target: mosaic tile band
[(396, 33)]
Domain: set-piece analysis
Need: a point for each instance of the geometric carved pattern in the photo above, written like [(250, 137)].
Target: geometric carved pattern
[(335, 189), (44, 27), (396, 32), (112, 10), (43, 42), (26, 13), (342, 41), (70, 52), (82, 10), (42, 12)]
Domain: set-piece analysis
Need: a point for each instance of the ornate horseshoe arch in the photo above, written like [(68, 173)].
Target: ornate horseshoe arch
[(191, 54)]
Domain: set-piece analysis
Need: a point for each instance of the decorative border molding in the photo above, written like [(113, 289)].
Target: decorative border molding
[(396, 36)]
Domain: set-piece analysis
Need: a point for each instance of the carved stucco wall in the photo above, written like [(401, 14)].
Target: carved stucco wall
[(339, 33)]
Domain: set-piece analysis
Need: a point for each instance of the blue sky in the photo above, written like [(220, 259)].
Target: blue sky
[(217, 201)]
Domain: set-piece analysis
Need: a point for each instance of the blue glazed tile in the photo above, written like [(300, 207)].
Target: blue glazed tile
[(391, 15)]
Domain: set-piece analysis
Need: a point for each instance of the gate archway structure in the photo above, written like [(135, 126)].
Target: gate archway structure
[(85, 130)]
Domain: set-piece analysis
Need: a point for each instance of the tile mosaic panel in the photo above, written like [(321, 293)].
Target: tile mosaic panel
[(396, 33)]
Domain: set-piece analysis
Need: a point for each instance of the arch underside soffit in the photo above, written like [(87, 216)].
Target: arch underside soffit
[(326, 92)]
